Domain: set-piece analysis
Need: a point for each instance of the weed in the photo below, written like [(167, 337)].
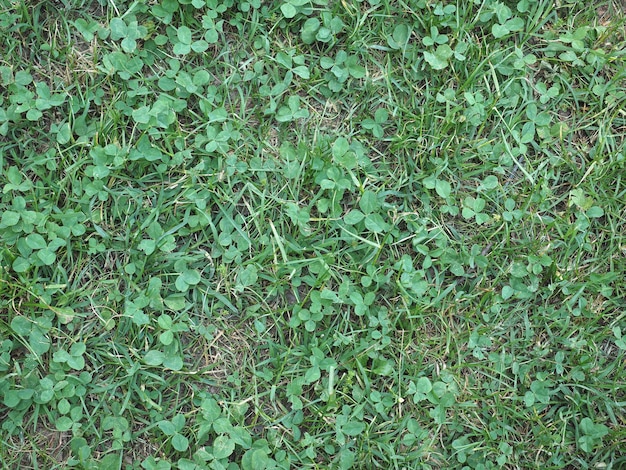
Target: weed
[(312, 234)]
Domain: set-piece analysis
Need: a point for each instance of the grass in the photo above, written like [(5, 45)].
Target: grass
[(312, 234)]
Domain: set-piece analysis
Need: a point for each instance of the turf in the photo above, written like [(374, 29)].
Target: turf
[(312, 234)]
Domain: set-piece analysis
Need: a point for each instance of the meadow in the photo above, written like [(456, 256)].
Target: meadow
[(314, 234)]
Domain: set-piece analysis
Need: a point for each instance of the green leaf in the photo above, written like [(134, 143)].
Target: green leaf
[(129, 44), (340, 147), (118, 29), (191, 277), (138, 316), (11, 398), (400, 36), (248, 276), (61, 356), (589, 428), (467, 213), (324, 34), (64, 406), (175, 302), (223, 447), (22, 77), (357, 71), (482, 218), (63, 423), (255, 459), (36, 241), (369, 202), (424, 385), (78, 349), (515, 24), (10, 218), (86, 29), (347, 160), (309, 30), (166, 338), (241, 436), (376, 223), (115, 423), (154, 358), (179, 421), (21, 325), (383, 367), (65, 314), (64, 134), (167, 427), (147, 246), (353, 428), (592, 434), (326, 62), (288, 10), (76, 363), (302, 71), (180, 442), (502, 11), (434, 61), (381, 115), (507, 292), (141, 115), (353, 217), (173, 362), (181, 49), (443, 188), (110, 462), (580, 199), (490, 182), (212, 36), (499, 31), (595, 212), (201, 78), (528, 133), (312, 374), (165, 322), (184, 35), (38, 342), (479, 204), (439, 59), (33, 114), (199, 46), (20, 265), (46, 256)]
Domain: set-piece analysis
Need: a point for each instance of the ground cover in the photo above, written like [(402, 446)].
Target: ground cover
[(312, 234)]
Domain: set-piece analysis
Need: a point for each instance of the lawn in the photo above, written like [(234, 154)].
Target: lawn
[(312, 234)]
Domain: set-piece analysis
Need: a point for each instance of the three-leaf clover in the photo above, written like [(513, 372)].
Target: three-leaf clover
[(591, 434), (438, 59), (376, 125), (173, 429), (292, 110), (128, 32), (74, 358), (473, 208), (187, 276)]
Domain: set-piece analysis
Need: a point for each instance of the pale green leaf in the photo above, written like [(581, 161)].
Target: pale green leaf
[(223, 447)]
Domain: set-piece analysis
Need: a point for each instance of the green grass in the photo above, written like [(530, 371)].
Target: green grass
[(312, 234)]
